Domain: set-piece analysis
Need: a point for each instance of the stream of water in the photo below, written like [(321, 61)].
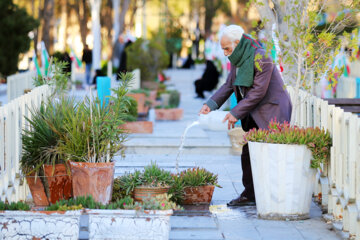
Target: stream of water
[(182, 142)]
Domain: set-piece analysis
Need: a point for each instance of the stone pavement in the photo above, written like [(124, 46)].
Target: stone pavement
[(211, 150)]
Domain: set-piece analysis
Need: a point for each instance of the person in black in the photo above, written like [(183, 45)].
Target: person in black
[(120, 54), (208, 81), (87, 58)]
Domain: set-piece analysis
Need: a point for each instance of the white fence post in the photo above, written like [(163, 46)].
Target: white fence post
[(12, 122)]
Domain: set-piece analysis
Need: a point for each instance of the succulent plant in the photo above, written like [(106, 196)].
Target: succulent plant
[(318, 141)]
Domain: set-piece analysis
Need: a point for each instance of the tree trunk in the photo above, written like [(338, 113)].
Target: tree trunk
[(95, 18), (124, 8), (144, 29), (48, 26), (63, 25), (133, 13), (209, 14), (116, 6), (81, 11)]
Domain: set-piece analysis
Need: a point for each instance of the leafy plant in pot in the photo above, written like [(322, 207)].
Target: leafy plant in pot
[(150, 182), (92, 137), (199, 185), (283, 158), (169, 110), (45, 169)]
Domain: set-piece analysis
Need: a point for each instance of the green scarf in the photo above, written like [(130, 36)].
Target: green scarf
[(243, 58)]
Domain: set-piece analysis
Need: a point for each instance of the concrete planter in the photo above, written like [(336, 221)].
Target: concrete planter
[(39, 224), (138, 127), (95, 179), (283, 180), (129, 224), (172, 114), (198, 195)]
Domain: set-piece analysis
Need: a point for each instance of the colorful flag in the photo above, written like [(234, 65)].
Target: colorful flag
[(36, 63), (74, 57), (44, 58)]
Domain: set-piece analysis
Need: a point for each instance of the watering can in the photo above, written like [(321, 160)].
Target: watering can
[(213, 121)]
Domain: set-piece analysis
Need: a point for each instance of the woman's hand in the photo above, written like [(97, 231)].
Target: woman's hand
[(204, 110)]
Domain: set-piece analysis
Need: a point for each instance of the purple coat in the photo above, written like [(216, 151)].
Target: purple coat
[(266, 99)]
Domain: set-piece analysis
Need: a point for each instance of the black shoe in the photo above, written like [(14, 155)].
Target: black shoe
[(241, 201)]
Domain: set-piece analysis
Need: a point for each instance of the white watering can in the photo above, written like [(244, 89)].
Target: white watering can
[(213, 121)]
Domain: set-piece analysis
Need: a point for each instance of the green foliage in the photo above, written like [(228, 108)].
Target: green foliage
[(42, 136), (15, 25), (149, 56), (318, 141), (161, 202), (57, 77), (141, 90), (90, 203), (92, 132), (177, 190), (20, 206), (306, 46), (151, 176), (174, 100), (132, 109), (195, 177)]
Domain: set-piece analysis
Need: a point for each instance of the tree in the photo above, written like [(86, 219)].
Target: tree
[(15, 25), (95, 18), (48, 24), (306, 48)]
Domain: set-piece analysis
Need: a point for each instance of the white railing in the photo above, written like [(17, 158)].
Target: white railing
[(17, 83), (339, 182), (13, 186)]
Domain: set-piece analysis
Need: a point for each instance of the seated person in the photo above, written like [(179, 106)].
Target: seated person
[(208, 81)]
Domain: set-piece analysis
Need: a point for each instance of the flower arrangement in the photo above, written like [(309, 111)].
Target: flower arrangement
[(318, 141)]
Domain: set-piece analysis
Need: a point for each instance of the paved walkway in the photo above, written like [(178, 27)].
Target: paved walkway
[(211, 150)]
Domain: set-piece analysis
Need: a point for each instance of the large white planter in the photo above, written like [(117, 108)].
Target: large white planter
[(129, 224), (39, 225), (283, 180)]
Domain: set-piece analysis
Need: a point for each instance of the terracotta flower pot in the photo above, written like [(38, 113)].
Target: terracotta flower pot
[(198, 195), (169, 114), (140, 99), (141, 193), (95, 179), (59, 184), (37, 190), (138, 127)]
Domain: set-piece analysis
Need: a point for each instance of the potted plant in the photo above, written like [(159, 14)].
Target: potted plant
[(131, 124), (78, 84), (46, 171), (16, 219), (141, 96), (283, 162), (150, 182), (150, 57), (199, 185), (169, 108), (91, 139)]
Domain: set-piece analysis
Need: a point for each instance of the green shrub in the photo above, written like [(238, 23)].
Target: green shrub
[(177, 190), (132, 109), (149, 56), (318, 141), (174, 100), (141, 90), (21, 206)]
